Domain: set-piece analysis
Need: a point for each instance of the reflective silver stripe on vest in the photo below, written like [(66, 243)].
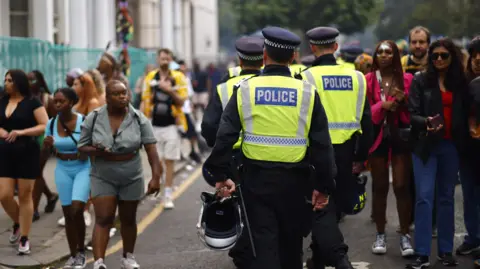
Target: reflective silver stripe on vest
[(299, 140), (358, 112), (246, 107), (361, 96), (310, 77), (304, 106), (224, 91)]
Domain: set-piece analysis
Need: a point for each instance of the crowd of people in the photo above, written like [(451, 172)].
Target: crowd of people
[(95, 128), (424, 106)]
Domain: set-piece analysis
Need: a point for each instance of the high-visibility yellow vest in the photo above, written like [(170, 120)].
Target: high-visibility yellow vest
[(342, 93), (225, 91), (276, 113), (296, 68), (349, 65), (234, 71)]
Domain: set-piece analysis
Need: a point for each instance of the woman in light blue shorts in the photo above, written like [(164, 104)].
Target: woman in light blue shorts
[(71, 173)]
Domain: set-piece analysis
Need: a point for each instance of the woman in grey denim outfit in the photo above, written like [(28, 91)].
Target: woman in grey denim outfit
[(113, 136)]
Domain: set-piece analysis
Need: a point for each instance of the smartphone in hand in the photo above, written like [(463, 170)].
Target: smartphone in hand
[(435, 122)]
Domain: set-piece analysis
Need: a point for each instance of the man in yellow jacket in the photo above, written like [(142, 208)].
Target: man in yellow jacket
[(162, 100)]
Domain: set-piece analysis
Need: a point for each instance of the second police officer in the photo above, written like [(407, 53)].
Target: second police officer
[(285, 131), (250, 55), (342, 92)]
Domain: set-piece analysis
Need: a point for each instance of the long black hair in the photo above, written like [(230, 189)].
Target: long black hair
[(473, 50), (69, 93), (455, 76), (42, 84), (20, 81)]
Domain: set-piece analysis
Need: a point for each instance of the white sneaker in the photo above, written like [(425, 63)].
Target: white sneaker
[(24, 249), (15, 235), (406, 246), (99, 264), (88, 218), (168, 203), (380, 244), (129, 262), (113, 231), (61, 222), (70, 263)]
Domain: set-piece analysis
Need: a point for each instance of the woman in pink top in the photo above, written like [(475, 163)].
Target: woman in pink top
[(387, 90)]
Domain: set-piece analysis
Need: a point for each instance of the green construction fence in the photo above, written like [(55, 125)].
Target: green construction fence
[(54, 61)]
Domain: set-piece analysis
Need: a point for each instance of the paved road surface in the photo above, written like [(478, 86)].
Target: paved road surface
[(171, 240)]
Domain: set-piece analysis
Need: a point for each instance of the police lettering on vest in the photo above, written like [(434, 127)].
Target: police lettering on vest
[(337, 83), (275, 96)]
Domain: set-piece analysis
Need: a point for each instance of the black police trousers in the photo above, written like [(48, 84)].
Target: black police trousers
[(275, 204), (328, 246), (345, 186)]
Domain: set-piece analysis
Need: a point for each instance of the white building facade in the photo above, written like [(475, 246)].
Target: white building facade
[(187, 27)]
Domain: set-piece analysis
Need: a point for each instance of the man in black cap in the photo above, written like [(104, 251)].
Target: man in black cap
[(280, 117), (250, 55), (343, 94)]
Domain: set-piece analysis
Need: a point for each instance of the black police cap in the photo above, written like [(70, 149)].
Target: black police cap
[(323, 35), (352, 50), (250, 48), (280, 38)]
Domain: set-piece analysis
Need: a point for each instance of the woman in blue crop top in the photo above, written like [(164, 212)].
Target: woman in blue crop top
[(72, 172)]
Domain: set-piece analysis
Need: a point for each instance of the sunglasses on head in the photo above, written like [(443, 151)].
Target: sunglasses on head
[(442, 55)]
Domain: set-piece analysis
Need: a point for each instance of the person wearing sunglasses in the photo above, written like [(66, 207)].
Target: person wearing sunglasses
[(388, 88), (438, 104)]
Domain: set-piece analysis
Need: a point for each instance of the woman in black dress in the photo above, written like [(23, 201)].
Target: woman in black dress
[(22, 119)]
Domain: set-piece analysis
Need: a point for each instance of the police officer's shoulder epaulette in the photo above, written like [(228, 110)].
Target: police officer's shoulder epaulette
[(244, 79), (299, 75)]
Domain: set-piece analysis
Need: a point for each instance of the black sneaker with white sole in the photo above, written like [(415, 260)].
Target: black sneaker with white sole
[(420, 263), (447, 259)]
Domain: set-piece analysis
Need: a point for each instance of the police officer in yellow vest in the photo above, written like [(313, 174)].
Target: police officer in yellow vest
[(297, 66), (250, 54), (349, 54), (284, 133), (342, 92)]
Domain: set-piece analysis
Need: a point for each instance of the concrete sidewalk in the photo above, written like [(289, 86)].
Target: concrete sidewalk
[(48, 240)]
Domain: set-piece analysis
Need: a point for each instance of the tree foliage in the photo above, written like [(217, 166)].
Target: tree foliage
[(454, 18), (349, 16)]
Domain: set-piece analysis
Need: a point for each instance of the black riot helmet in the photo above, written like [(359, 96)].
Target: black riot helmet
[(220, 222)]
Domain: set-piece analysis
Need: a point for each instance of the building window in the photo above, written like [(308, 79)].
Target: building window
[(19, 18)]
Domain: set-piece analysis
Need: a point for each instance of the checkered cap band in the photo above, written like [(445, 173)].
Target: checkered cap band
[(278, 45), (323, 42), (249, 57)]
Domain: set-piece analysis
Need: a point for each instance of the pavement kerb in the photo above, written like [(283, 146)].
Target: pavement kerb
[(47, 265)]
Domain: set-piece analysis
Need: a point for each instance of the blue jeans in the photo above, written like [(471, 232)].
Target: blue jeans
[(471, 199), (441, 169)]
